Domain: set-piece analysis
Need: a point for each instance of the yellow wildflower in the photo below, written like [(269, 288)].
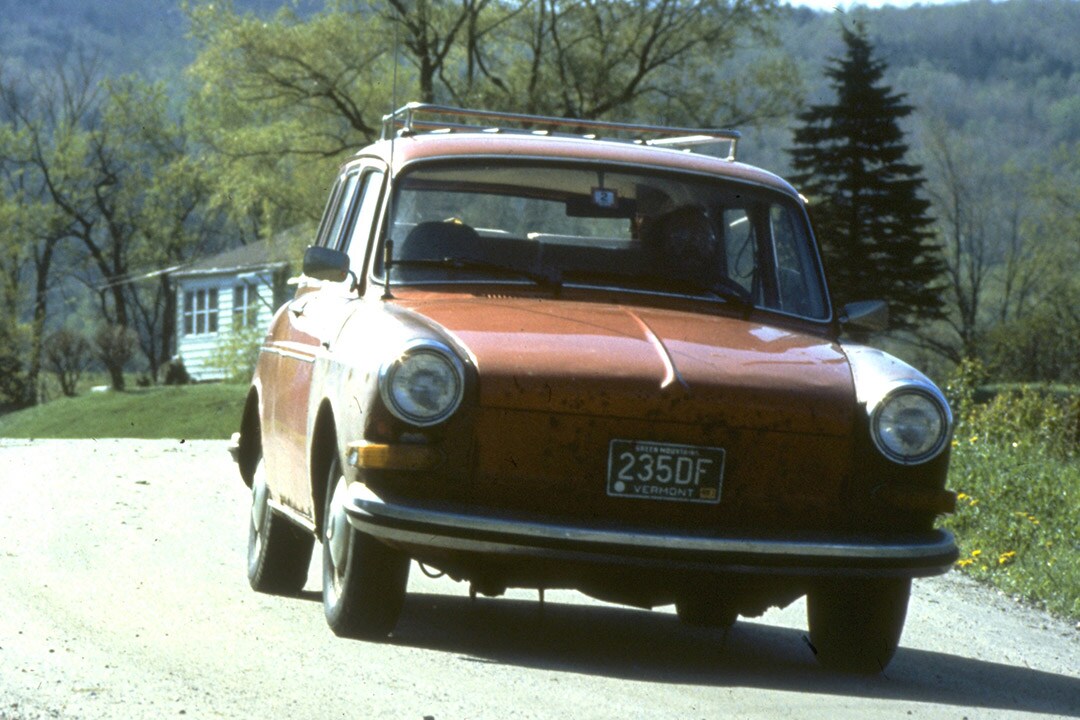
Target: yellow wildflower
[(976, 553), (1006, 557)]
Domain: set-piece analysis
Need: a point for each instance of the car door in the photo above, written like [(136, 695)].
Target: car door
[(306, 330)]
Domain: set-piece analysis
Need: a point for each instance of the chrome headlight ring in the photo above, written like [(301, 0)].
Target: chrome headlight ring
[(423, 384), (911, 423)]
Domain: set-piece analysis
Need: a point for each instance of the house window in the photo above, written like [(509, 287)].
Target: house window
[(200, 311), (245, 306)]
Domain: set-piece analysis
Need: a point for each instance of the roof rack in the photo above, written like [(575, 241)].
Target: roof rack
[(418, 117)]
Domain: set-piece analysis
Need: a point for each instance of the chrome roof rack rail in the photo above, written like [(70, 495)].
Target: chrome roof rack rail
[(426, 117)]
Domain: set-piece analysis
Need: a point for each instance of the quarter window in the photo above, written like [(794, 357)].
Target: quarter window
[(341, 212), (364, 222)]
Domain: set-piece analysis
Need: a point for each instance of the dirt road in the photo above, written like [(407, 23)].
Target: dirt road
[(123, 595)]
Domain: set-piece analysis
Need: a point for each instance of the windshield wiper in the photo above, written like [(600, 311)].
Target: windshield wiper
[(550, 280), (729, 293), (721, 292)]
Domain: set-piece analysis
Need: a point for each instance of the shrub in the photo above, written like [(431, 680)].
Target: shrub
[(15, 390), (176, 373), (237, 354), (67, 355)]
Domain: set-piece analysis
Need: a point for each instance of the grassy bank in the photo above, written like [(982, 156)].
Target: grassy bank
[(192, 412), (1016, 466)]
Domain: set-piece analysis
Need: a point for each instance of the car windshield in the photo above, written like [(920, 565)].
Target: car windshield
[(562, 226)]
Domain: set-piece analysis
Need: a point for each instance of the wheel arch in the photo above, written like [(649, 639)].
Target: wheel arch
[(323, 442), (250, 437)]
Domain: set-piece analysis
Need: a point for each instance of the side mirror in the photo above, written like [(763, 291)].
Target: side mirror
[(322, 263), (865, 315)]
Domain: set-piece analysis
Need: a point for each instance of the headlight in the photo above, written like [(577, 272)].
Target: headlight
[(910, 425), (424, 384)]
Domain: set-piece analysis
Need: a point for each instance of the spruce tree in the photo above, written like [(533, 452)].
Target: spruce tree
[(864, 198)]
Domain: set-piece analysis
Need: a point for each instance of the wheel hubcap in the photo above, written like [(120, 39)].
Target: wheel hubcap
[(259, 494), (337, 528)]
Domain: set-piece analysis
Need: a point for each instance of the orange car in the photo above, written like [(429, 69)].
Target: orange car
[(529, 356)]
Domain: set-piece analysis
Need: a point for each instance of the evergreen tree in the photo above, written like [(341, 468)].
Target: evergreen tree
[(865, 199)]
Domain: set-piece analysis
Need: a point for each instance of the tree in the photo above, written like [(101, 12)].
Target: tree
[(33, 225), (632, 59), (99, 174), (985, 208), (280, 101), (874, 226), (1039, 342), (67, 355), (115, 346)]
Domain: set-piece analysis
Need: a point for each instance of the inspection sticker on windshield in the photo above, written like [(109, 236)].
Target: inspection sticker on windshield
[(604, 198), (665, 471)]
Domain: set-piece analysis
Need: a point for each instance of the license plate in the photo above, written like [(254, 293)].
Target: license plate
[(665, 471)]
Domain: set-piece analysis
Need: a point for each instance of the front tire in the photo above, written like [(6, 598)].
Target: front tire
[(364, 581), (855, 624), (704, 611), (279, 552)]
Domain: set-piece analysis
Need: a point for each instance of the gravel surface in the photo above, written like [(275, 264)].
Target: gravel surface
[(123, 595)]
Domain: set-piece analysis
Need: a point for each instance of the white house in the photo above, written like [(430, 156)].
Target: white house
[(226, 299)]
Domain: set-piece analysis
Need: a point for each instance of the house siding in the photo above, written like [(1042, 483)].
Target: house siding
[(201, 348)]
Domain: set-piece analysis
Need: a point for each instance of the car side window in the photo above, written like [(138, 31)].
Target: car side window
[(799, 292), (338, 213), (368, 198)]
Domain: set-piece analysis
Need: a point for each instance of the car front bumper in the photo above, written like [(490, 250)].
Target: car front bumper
[(444, 529)]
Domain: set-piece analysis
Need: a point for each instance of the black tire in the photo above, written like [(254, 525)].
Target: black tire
[(364, 581), (279, 552), (855, 624), (703, 611)]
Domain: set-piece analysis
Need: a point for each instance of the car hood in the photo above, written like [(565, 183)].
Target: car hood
[(583, 358)]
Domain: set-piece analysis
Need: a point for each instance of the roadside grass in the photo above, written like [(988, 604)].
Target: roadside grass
[(1016, 467), (195, 412)]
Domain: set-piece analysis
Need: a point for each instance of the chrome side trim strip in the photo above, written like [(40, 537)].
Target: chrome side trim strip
[(302, 357), (365, 506)]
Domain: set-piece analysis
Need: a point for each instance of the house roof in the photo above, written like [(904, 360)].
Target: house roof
[(268, 254)]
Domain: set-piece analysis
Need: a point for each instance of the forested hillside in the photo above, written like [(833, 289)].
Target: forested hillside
[(1008, 71), (207, 124), (124, 36)]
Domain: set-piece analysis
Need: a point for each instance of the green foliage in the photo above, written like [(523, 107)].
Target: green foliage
[(1041, 346), (282, 100), (1016, 467), (237, 353), (865, 198), (67, 355), (15, 391), (115, 346), (188, 412)]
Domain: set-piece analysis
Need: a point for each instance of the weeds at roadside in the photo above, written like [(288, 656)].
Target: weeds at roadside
[(1016, 467)]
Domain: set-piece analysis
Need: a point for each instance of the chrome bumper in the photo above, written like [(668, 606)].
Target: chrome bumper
[(930, 553)]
